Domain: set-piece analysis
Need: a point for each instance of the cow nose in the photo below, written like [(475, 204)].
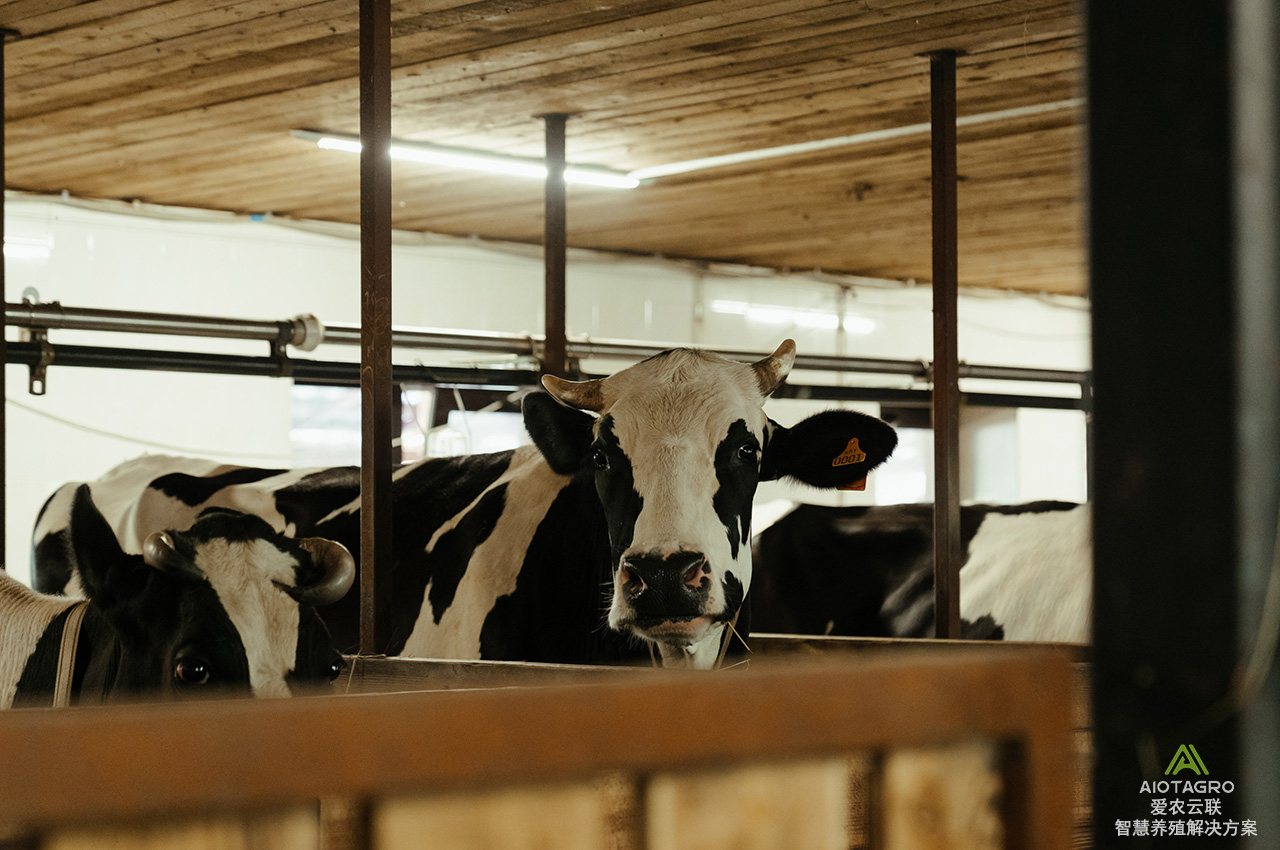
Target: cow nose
[(639, 573)]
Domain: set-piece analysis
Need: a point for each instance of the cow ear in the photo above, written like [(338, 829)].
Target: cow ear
[(562, 434), (106, 572), (829, 450)]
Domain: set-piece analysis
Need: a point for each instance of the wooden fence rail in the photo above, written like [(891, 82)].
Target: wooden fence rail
[(963, 744)]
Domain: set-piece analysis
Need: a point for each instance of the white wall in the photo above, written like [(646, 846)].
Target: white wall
[(92, 419)]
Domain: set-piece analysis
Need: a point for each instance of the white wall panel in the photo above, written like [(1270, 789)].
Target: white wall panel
[(229, 266)]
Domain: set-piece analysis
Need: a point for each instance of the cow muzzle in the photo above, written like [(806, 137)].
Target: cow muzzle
[(665, 597)]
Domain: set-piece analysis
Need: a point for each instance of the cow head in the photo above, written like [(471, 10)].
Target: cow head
[(228, 603), (676, 445)]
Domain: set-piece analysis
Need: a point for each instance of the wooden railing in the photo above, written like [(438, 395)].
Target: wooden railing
[(965, 747)]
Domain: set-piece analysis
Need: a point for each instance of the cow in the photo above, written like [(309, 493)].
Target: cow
[(868, 571), (624, 529), (225, 606)]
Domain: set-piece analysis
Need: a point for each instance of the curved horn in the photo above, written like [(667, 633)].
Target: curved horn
[(159, 553), (771, 370), (339, 572), (584, 395)]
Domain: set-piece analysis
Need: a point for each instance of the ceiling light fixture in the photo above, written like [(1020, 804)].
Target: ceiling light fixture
[(536, 168), (474, 160), (801, 317), (672, 168)]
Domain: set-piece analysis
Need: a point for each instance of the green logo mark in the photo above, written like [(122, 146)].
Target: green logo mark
[(1186, 757)]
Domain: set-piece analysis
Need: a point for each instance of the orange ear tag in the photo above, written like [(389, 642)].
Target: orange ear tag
[(860, 484), (851, 455)]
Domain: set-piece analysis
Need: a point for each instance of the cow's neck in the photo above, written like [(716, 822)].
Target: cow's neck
[(699, 656), (99, 655), (25, 616)]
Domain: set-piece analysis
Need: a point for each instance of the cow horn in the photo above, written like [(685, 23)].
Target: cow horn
[(159, 553), (339, 572), (773, 369), (584, 395)]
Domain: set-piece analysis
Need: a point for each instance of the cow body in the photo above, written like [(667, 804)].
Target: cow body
[(225, 604), (868, 571), (626, 524)]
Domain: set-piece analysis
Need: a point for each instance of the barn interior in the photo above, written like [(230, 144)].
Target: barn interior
[(1115, 234)]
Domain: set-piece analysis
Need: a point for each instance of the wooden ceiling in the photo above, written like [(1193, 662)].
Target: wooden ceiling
[(190, 102)]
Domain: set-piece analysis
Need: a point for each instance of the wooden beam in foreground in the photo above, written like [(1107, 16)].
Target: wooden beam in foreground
[(124, 762)]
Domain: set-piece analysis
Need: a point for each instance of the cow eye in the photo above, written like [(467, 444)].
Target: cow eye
[(192, 671), (747, 452), (599, 458), (335, 670)]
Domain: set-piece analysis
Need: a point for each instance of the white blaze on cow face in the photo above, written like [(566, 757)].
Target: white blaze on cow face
[(677, 454), (248, 578)]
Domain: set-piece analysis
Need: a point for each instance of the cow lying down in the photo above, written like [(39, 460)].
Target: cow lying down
[(226, 604), (868, 571), (625, 527)]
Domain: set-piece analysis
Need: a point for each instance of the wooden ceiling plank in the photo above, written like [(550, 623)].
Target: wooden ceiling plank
[(581, 129), (693, 70), (898, 81), (113, 137), (270, 59), (755, 107), (139, 36), (823, 171), (156, 164), (872, 222), (37, 18), (198, 26), (198, 42)]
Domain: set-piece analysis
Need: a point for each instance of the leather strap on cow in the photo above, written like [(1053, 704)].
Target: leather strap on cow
[(67, 655)]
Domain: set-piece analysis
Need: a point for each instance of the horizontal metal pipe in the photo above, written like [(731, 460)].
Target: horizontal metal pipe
[(340, 373), (1019, 373), (55, 316), (441, 339), (313, 371), (923, 398), (837, 363)]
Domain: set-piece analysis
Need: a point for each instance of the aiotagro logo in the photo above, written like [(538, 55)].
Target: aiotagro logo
[(1186, 807), (1186, 758)]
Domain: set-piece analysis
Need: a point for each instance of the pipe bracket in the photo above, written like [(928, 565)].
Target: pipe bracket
[(36, 383)]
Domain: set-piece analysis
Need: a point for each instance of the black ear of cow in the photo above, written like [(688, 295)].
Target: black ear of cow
[(836, 448), (562, 434), (106, 572)]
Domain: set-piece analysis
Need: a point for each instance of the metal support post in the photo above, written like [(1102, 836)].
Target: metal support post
[(375, 320), (947, 554), (554, 361)]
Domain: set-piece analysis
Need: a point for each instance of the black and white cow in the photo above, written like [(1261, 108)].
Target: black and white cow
[(629, 517), (868, 571), (226, 604)]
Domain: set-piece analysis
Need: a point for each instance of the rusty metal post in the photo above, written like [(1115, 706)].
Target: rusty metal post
[(375, 322), (554, 360), (947, 552)]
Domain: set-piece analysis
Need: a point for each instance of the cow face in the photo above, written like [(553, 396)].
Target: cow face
[(226, 604), (676, 445)]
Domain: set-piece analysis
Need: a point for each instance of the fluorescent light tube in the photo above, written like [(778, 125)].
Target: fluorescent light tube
[(672, 168), (770, 314), (474, 160)]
